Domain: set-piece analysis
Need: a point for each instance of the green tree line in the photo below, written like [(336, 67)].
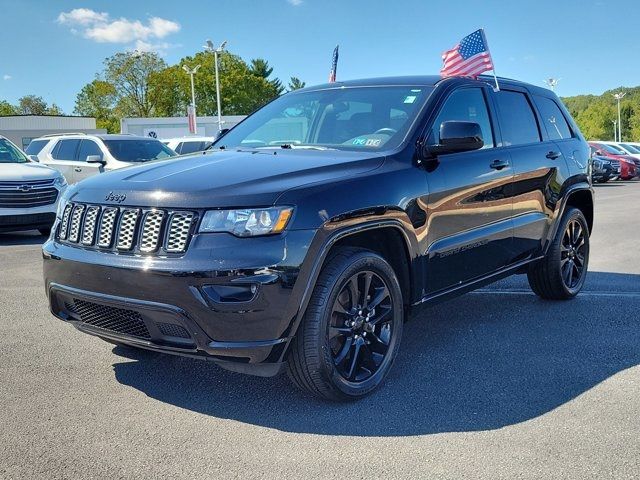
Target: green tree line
[(29, 105), (595, 114)]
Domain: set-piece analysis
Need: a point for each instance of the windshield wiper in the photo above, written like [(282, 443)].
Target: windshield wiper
[(291, 146)]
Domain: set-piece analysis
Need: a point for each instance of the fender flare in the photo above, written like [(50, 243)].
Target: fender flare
[(576, 187)]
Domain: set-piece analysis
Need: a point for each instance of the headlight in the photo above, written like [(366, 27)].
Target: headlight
[(60, 181), (246, 222)]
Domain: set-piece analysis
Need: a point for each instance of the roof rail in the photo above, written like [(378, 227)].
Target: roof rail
[(63, 134)]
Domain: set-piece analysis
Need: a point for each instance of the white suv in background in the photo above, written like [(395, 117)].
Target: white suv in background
[(29, 192), (186, 145), (79, 156)]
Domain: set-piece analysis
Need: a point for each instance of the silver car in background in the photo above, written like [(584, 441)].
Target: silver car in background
[(29, 192), (79, 156)]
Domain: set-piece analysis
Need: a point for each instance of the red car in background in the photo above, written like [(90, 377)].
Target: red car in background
[(628, 169)]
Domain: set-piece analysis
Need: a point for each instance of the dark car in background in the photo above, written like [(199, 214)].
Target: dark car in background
[(604, 169), (628, 169), (308, 232)]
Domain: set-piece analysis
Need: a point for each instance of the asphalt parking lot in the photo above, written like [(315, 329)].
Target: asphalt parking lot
[(494, 384)]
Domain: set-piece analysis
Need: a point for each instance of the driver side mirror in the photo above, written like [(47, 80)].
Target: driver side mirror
[(96, 159), (457, 136), (33, 158)]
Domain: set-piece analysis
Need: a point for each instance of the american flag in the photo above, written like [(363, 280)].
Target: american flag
[(334, 65), (469, 58)]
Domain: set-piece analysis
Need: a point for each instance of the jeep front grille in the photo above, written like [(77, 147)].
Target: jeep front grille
[(123, 229)]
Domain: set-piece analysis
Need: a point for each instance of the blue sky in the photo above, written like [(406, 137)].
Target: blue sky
[(592, 45)]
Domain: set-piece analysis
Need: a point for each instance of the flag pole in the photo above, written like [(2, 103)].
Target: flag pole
[(486, 44)]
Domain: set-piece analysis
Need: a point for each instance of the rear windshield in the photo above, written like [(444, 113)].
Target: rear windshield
[(630, 148), (135, 150), (36, 146), (10, 153)]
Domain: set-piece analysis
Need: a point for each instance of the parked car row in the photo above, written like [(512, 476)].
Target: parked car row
[(612, 160)]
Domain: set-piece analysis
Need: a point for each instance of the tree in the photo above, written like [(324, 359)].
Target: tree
[(130, 74), (295, 84), (261, 68), (32, 105), (7, 109), (98, 99)]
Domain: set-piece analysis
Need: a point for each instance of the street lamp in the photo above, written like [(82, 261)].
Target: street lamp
[(618, 96), (210, 48), (615, 129), (191, 72), (552, 82)]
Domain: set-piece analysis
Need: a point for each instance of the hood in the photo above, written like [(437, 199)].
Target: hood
[(16, 172), (222, 179)]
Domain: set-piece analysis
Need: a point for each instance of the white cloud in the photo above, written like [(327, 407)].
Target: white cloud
[(99, 27), (82, 16), (6, 77), (295, 3)]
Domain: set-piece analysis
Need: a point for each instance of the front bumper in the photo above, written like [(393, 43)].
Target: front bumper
[(14, 219), (178, 305)]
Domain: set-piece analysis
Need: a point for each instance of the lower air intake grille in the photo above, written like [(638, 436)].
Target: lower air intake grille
[(171, 330), (113, 319)]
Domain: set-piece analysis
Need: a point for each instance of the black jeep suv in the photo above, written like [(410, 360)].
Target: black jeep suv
[(307, 233)]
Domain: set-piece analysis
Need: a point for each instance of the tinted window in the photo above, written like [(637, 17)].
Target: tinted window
[(36, 146), (10, 153), (66, 149), (468, 105), (88, 147), (630, 148), (553, 119), (192, 147), (517, 120), (135, 150), (612, 149), (354, 118), (178, 148)]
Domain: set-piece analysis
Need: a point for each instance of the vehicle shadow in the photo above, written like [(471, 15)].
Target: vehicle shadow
[(482, 361), (31, 237)]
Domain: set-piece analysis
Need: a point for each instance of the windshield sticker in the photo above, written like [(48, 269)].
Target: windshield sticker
[(410, 98), (367, 142)]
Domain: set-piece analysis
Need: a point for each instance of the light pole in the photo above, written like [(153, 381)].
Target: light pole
[(191, 72), (615, 130), (210, 48), (552, 82), (618, 96)]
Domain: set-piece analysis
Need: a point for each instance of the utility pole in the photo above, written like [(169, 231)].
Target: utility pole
[(618, 96), (552, 82), (210, 48), (191, 72)]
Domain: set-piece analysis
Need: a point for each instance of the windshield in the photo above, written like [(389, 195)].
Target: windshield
[(135, 150), (612, 149), (359, 118), (9, 153), (630, 148)]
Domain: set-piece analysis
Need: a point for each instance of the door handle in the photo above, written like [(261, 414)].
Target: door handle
[(499, 164), (553, 155), (77, 169)]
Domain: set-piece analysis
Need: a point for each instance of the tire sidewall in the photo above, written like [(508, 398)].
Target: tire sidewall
[(573, 214)]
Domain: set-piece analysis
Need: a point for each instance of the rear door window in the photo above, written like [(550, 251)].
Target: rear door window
[(35, 147), (66, 149), (553, 119), (517, 121)]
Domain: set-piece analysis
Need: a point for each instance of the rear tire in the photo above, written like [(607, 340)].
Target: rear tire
[(560, 275), (351, 331)]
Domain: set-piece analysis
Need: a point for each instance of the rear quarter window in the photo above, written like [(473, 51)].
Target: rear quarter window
[(517, 121), (554, 121), (35, 147)]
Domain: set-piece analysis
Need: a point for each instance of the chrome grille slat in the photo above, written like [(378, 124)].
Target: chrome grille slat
[(64, 225), (127, 228), (178, 231), (107, 221), (76, 218), (151, 231), (89, 228)]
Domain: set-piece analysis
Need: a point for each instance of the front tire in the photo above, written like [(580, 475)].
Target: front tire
[(561, 274), (351, 331)]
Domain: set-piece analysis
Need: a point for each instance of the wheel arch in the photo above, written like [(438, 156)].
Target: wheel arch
[(580, 196)]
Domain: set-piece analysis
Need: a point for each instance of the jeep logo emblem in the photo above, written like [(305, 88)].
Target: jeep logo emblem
[(115, 197)]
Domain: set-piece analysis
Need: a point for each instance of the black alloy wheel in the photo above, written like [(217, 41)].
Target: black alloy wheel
[(361, 326), (572, 254)]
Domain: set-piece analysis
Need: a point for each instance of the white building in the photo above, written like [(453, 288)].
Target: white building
[(21, 129), (172, 127)]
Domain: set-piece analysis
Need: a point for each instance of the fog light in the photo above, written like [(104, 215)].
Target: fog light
[(230, 293)]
